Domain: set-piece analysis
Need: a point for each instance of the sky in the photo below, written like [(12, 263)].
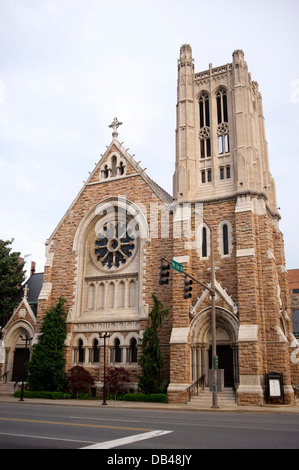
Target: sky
[(68, 67)]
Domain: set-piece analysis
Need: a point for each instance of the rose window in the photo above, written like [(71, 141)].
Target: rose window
[(115, 245)]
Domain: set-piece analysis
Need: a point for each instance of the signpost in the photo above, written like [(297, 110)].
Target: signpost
[(176, 266)]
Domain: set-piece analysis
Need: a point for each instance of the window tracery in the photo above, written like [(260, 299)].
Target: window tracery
[(204, 124), (115, 244), (222, 118)]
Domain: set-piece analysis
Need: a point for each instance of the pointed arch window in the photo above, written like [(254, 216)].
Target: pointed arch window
[(222, 118), (222, 106), (204, 124), (204, 250), (225, 239)]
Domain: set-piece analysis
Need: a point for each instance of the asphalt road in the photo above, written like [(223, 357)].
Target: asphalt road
[(33, 426)]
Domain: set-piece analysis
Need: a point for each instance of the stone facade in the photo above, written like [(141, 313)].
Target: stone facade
[(104, 255)]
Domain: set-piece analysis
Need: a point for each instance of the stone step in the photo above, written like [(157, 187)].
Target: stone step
[(204, 398), (7, 389)]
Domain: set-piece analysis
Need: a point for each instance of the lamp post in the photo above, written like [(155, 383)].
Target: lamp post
[(26, 339), (213, 322), (104, 335)]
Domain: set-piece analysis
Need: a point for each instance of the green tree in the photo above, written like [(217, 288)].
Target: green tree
[(11, 277), (47, 366), (151, 358)]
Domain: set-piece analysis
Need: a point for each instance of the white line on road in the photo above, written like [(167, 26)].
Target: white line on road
[(127, 440), (43, 437), (107, 419)]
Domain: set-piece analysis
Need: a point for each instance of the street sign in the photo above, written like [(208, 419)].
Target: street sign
[(177, 266)]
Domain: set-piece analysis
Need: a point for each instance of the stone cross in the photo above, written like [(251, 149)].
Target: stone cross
[(115, 124)]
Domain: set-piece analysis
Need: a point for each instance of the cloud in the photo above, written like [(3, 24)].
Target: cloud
[(2, 92), (68, 68)]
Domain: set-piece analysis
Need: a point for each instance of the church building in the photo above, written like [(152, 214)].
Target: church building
[(220, 226)]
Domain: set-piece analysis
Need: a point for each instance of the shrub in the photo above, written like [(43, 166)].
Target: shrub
[(115, 377), (152, 397), (42, 394), (78, 380)]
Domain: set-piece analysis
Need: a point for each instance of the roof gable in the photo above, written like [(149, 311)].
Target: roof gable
[(133, 169)]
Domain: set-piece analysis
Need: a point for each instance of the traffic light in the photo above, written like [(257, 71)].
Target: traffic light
[(187, 288), (164, 272)]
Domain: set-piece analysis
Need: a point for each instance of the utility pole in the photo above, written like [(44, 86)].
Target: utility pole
[(213, 322), (212, 291), (105, 335)]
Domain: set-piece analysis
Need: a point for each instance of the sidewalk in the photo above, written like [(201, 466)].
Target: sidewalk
[(268, 408)]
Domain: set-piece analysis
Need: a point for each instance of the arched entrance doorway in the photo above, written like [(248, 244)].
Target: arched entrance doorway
[(18, 342), (226, 338), (21, 357)]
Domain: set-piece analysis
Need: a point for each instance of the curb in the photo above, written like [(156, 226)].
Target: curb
[(267, 408)]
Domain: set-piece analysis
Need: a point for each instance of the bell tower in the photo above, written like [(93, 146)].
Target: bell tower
[(222, 167), (221, 147)]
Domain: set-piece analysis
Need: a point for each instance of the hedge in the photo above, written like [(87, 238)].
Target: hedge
[(154, 397), (43, 394)]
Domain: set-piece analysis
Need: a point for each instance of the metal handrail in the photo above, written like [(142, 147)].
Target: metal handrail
[(19, 379), (200, 383), (4, 377)]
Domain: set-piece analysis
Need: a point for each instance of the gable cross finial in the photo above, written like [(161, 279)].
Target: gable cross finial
[(115, 124)]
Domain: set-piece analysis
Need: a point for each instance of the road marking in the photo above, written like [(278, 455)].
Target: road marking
[(107, 419), (74, 424), (44, 437), (127, 440)]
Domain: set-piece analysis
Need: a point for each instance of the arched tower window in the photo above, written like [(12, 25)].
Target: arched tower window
[(222, 118), (225, 239), (204, 124), (204, 250)]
